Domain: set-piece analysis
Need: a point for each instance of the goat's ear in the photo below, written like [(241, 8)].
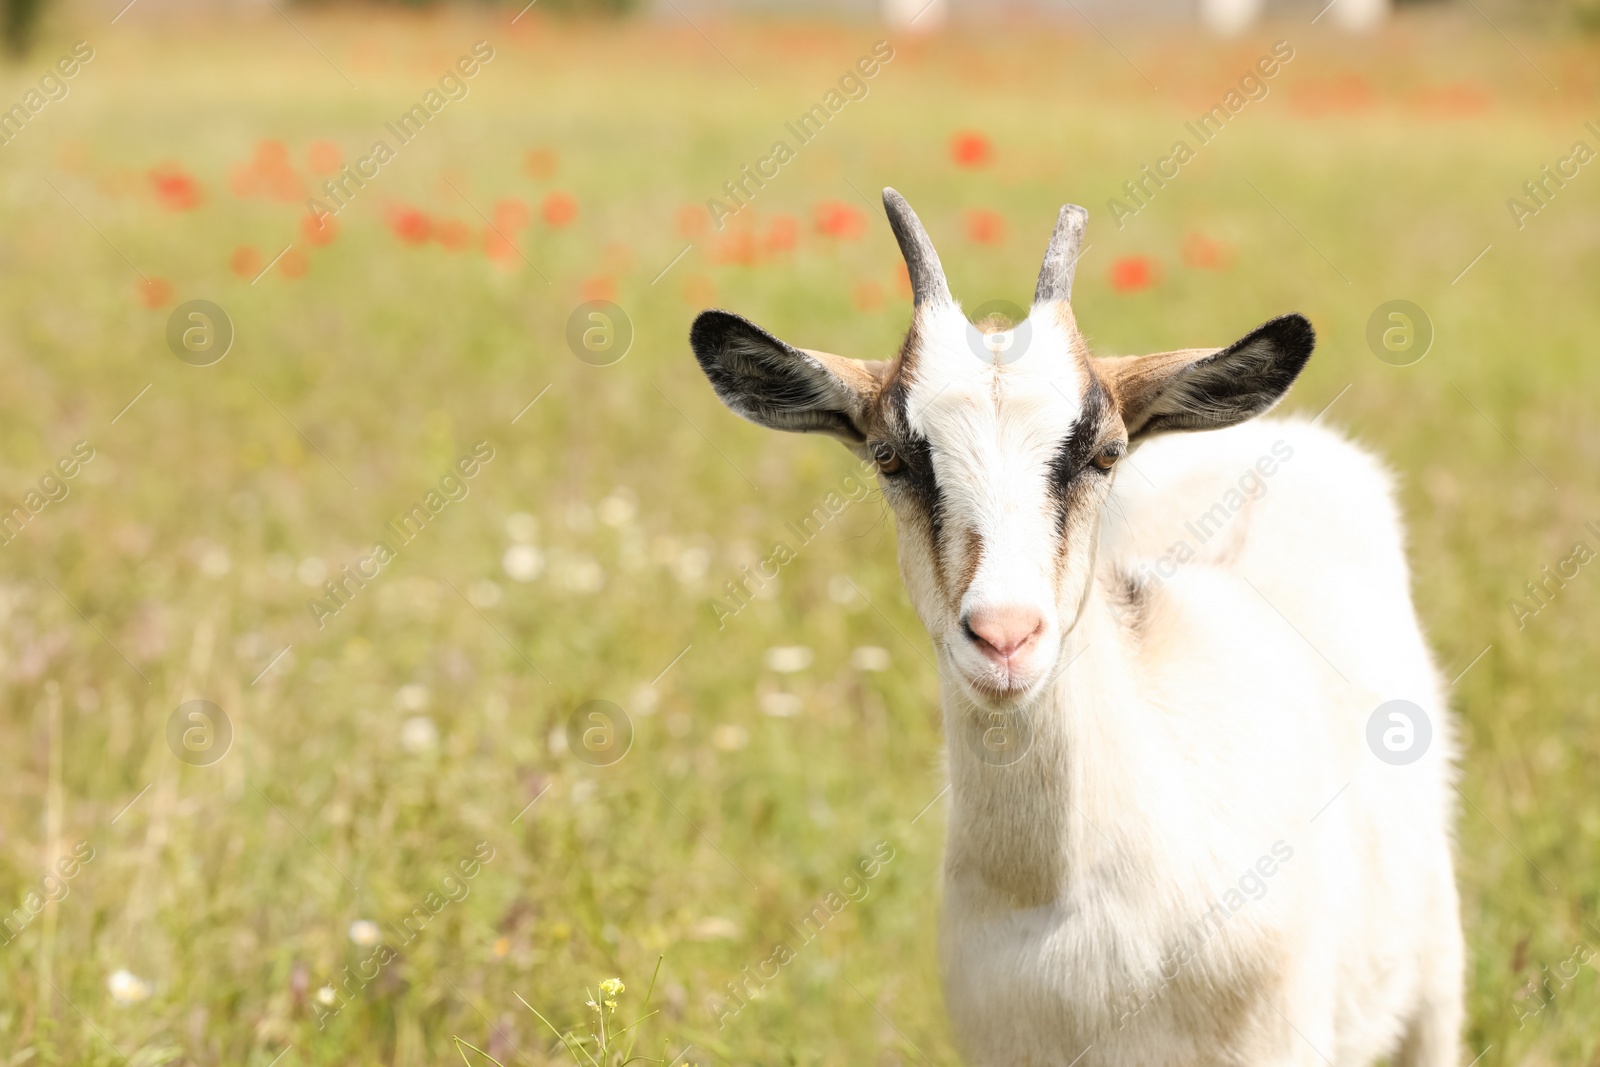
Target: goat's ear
[(776, 385), (1209, 388)]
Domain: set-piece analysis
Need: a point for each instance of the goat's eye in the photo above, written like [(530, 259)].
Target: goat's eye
[(888, 460), (1107, 457)]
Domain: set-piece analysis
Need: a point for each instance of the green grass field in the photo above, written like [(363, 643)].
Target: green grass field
[(395, 747)]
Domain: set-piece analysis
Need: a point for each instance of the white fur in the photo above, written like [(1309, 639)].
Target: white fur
[(1169, 757), (993, 427), (1169, 842)]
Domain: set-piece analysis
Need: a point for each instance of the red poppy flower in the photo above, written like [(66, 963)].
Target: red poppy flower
[(1459, 100), (902, 280), (245, 262), (410, 225), (271, 153), (510, 215), (541, 163), (175, 188), (1132, 273), (1200, 251), (293, 264), (600, 288), (838, 219), (985, 226), (737, 248), (970, 149), (559, 209), (452, 234), (318, 229), (782, 233), (1342, 95), (324, 157), (496, 247), (269, 173), (155, 292)]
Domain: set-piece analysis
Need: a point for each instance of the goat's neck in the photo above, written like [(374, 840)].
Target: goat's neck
[(1019, 830)]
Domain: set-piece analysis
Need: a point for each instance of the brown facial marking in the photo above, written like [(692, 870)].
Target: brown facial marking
[(1133, 381), (971, 559), (887, 421), (907, 359)]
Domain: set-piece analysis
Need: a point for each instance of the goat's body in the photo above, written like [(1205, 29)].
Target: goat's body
[(1212, 727), (1171, 843)]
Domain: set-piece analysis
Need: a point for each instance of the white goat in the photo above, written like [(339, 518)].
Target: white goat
[(1170, 842)]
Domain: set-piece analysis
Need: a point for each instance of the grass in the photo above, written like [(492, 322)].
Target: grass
[(175, 567)]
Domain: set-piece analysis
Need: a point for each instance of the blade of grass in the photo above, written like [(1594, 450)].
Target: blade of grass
[(559, 1035), (635, 1023), (627, 1057), (476, 1049)]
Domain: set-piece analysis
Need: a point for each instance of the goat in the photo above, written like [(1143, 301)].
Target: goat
[(1169, 842)]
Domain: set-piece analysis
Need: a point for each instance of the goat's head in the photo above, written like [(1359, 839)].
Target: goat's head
[(996, 448)]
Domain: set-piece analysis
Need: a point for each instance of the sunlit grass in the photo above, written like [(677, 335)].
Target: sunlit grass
[(424, 725)]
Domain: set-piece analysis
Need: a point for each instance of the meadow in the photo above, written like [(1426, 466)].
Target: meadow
[(281, 875)]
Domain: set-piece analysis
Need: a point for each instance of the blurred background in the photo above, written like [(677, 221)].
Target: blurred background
[(391, 638)]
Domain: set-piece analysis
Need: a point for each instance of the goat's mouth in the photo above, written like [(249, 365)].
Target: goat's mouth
[(1006, 675), (999, 685)]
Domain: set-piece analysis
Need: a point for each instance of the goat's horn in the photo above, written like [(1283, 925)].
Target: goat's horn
[(1061, 258), (922, 262)]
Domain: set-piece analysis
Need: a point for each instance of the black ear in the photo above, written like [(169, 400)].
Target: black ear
[(1207, 389), (776, 385)]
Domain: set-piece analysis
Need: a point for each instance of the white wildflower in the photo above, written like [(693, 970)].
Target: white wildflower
[(780, 705), (787, 659), (413, 697), (522, 563), (364, 932), (418, 734), (730, 737), (127, 987), (870, 658), (618, 509)]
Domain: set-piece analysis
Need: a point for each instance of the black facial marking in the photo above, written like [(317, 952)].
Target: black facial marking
[(1071, 464), (916, 475)]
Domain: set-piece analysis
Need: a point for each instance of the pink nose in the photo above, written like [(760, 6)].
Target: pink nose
[(1005, 632)]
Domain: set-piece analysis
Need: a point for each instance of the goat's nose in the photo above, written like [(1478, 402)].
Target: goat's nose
[(1003, 632)]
